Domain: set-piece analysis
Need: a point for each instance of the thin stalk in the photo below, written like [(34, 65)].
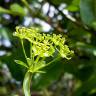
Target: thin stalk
[(27, 5), (24, 50), (37, 59), (27, 83), (31, 51), (53, 61), (3, 10)]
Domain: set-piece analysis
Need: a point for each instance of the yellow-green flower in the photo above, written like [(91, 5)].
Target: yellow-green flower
[(44, 45)]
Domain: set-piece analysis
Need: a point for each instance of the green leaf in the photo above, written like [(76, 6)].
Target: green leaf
[(89, 49), (58, 2), (21, 63), (94, 25), (74, 6), (17, 9), (5, 33), (88, 11), (87, 86)]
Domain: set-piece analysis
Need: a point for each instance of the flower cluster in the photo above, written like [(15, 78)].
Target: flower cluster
[(44, 45)]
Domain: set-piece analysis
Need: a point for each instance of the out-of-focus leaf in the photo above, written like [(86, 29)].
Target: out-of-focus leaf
[(4, 32), (74, 6), (78, 34), (3, 10), (80, 70), (87, 86), (94, 25), (3, 91), (17, 9), (88, 11), (85, 71), (87, 48), (58, 2)]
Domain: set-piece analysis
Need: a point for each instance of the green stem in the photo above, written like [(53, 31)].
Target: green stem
[(31, 51), (3, 10), (24, 50), (53, 61), (27, 5), (37, 59), (27, 83)]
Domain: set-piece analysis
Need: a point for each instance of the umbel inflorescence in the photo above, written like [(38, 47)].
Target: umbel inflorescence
[(44, 45)]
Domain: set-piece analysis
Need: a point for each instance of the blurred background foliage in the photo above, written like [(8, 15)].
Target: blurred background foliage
[(76, 20)]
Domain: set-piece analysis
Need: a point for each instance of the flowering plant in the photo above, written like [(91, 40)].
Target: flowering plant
[(41, 46)]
